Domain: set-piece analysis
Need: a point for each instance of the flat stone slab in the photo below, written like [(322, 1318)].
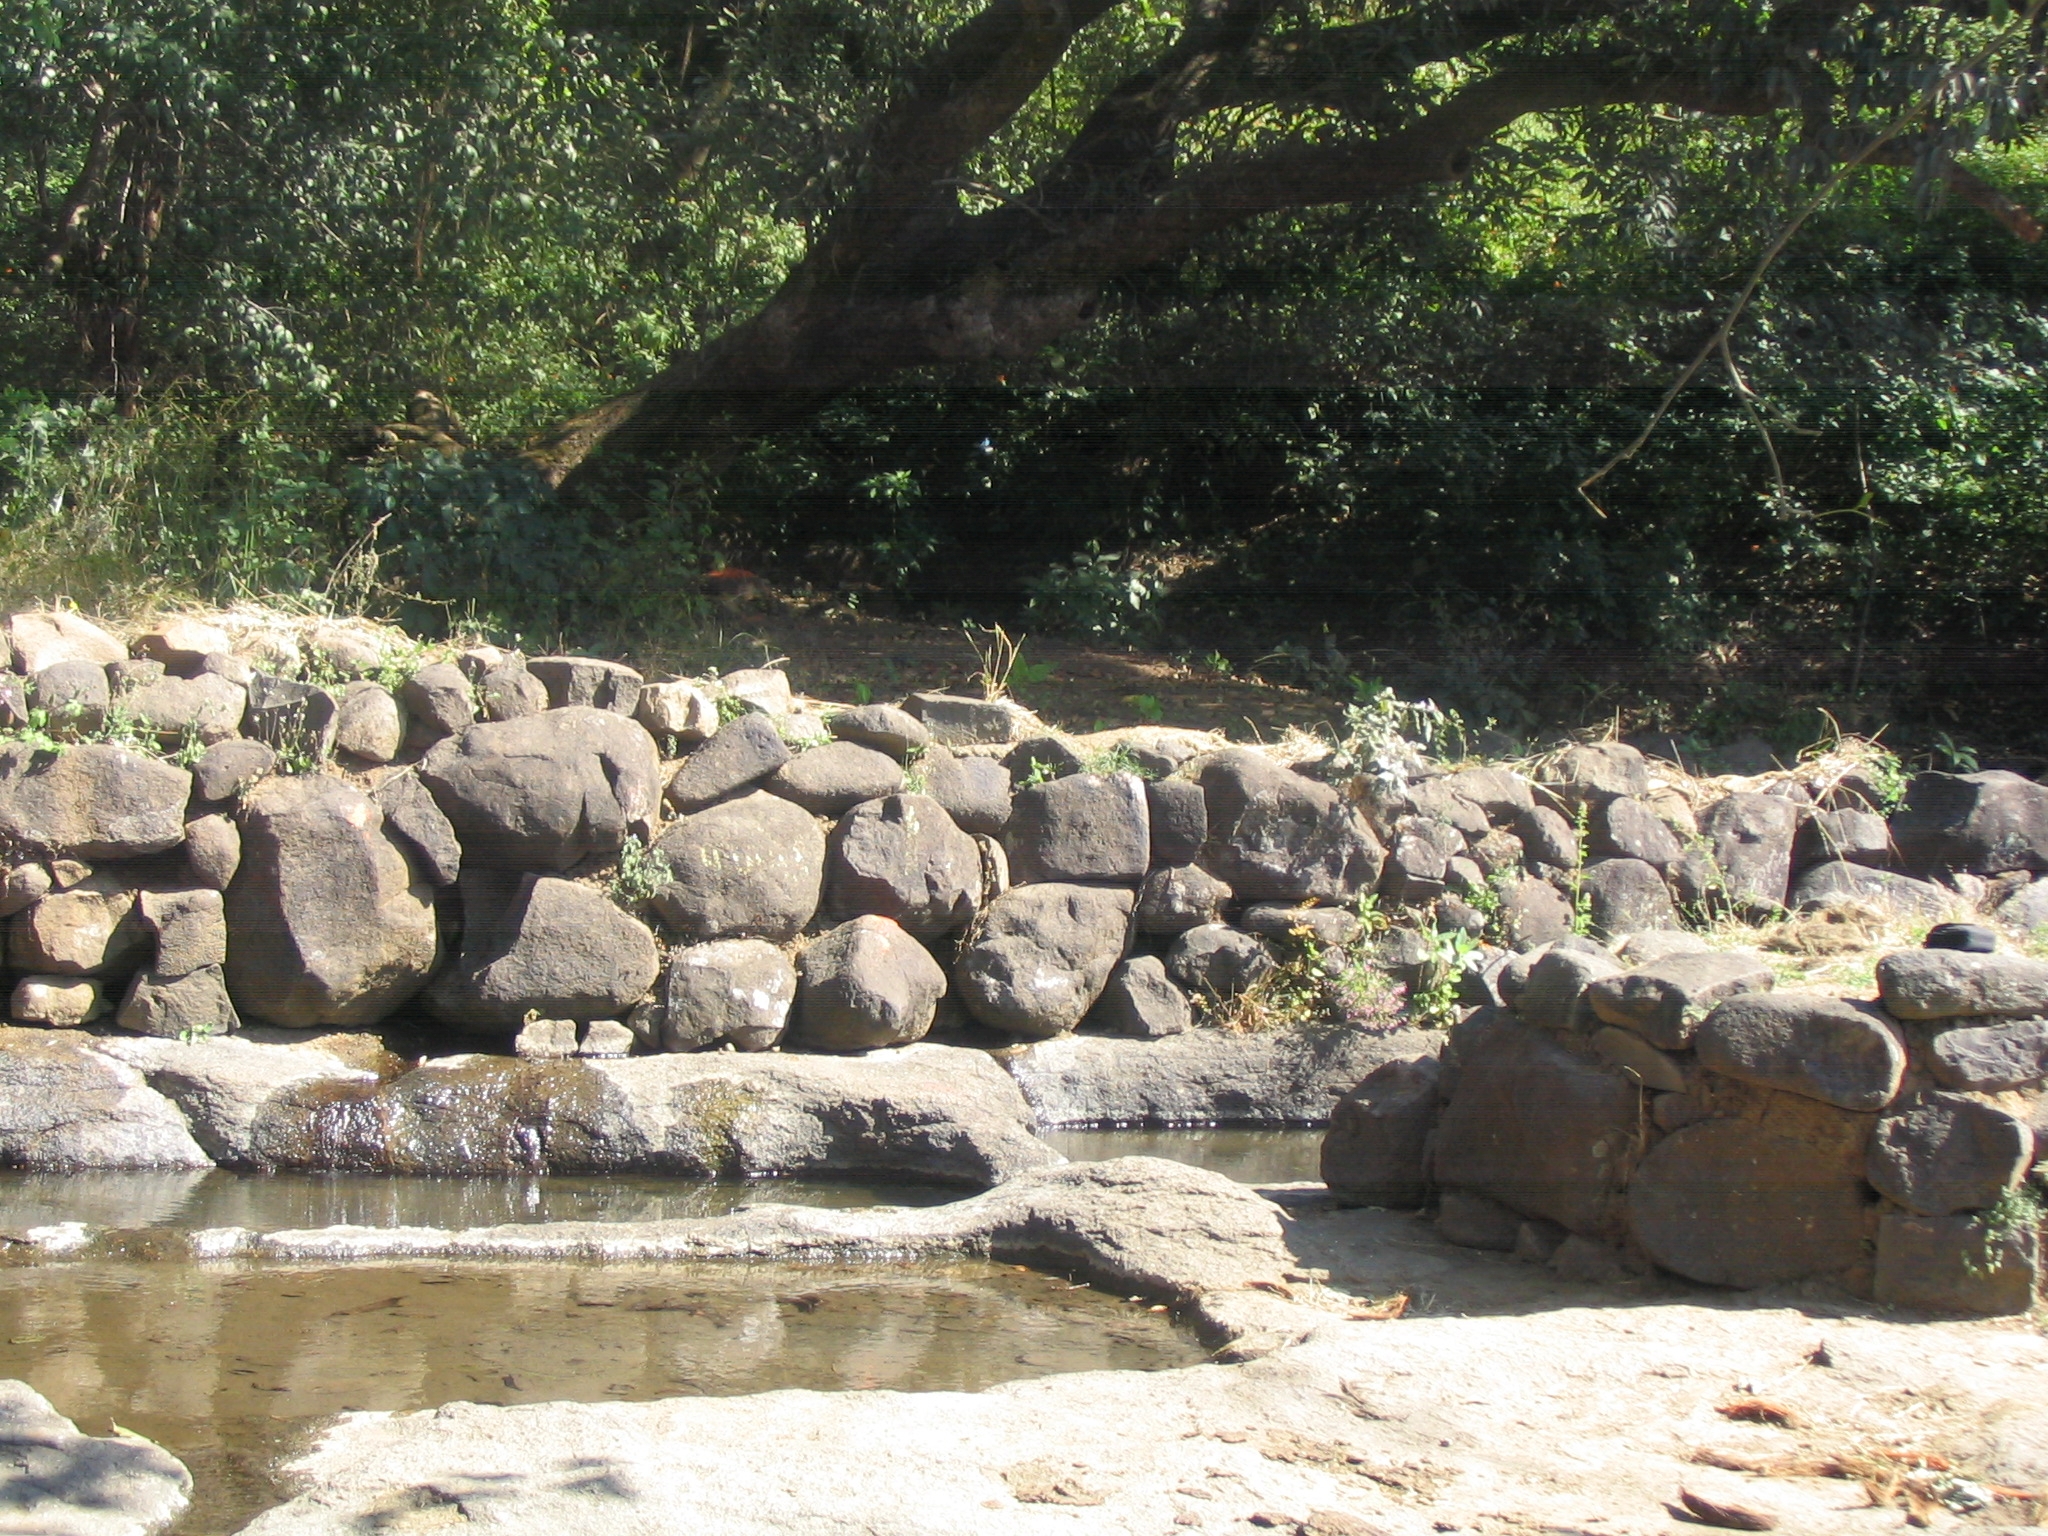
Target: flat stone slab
[(941, 1113), (55, 1481), (1333, 1425), (1203, 1077)]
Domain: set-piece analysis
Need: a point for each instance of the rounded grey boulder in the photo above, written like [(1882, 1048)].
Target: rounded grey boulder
[(1216, 961), (544, 792), (903, 858), (95, 802), (864, 985), (1277, 836), (1142, 1001), (747, 868), (328, 921), (834, 778), (738, 990), (1943, 1153), (1805, 1043), (561, 949), (1042, 956)]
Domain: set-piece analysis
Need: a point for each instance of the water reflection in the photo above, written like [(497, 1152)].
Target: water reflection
[(277, 1202), (230, 1367), (1249, 1156)]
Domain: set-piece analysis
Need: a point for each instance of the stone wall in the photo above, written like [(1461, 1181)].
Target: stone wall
[(319, 826), (1665, 1108)]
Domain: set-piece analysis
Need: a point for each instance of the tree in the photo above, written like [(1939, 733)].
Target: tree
[(1254, 109)]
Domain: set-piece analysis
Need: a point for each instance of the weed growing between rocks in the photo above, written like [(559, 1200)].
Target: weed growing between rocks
[(1313, 990), (641, 872)]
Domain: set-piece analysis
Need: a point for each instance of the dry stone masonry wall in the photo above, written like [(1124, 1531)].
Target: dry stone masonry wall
[(231, 819)]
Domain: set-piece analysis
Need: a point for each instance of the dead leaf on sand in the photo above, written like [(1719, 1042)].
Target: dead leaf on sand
[(1046, 1481), (1729, 1517)]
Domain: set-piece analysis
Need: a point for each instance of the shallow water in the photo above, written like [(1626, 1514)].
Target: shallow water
[(233, 1368), (1248, 1156), (281, 1201)]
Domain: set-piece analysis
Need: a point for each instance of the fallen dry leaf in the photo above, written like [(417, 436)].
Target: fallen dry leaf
[(1380, 1311), (1755, 1410), (1729, 1517)]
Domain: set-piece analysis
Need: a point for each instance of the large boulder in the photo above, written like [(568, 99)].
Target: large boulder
[(742, 754), (1940, 1154), (1837, 882), (1750, 838), (369, 724), (1177, 897), (1627, 896), (547, 791), (585, 682), (1805, 1043), (1628, 829), (1085, 827), (187, 1005), (439, 701), (1956, 1264), (62, 1106), (411, 812), (295, 718), (1216, 961), (1548, 989), (1982, 823), (1665, 1001), (1547, 839), (1756, 1201), (1950, 984), (1993, 1057), (227, 768), (1534, 912), (882, 726), (1142, 1002), (328, 920), (1277, 836), (678, 711), (1042, 955), (94, 802), (1203, 1077), (58, 1482), (864, 985), (1178, 814), (957, 721), (1595, 772), (747, 868), (206, 708), (560, 949), (833, 779), (974, 790), (731, 989), (74, 694), (91, 928), (903, 858), (1853, 835), (1538, 1128), (1377, 1147), (42, 638)]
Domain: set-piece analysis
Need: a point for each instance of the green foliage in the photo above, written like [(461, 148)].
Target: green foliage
[(1311, 990), (1147, 706), (1117, 758), (1093, 593), (1434, 999), (1582, 899), (1386, 736), (731, 706), (642, 872), (1040, 772)]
